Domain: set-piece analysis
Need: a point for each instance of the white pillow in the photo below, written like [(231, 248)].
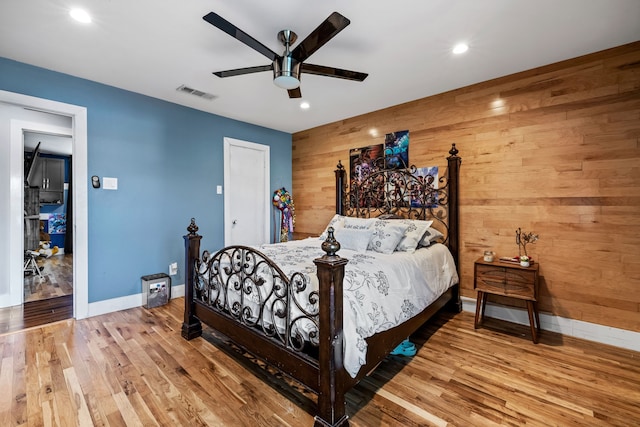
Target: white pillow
[(353, 238), (386, 235), (358, 223), (416, 229), (430, 236), (336, 222)]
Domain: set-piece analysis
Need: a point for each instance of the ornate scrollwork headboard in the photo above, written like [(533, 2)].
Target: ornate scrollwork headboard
[(404, 193)]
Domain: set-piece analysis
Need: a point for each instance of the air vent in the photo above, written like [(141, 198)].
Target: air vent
[(196, 92)]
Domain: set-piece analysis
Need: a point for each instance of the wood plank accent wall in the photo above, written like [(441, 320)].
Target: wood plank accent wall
[(555, 150)]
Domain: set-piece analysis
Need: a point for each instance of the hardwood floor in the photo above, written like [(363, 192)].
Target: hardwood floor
[(46, 299), (133, 368), (35, 313), (57, 280)]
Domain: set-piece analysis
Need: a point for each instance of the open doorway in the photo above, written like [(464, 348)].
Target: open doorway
[(48, 228), (19, 113)]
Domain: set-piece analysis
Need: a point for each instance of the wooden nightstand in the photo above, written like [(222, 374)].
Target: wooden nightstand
[(509, 280)]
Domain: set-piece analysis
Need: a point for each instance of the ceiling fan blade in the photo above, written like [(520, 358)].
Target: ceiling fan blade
[(321, 70), (295, 93), (226, 26), (240, 71), (321, 35)]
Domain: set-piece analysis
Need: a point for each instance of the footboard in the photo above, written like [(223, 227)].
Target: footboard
[(243, 294)]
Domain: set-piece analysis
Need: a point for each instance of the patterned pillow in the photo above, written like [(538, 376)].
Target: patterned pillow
[(430, 236), (336, 222), (413, 235), (386, 235), (358, 223), (353, 238)]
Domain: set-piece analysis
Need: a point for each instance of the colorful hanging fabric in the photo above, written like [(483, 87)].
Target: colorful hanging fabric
[(283, 201)]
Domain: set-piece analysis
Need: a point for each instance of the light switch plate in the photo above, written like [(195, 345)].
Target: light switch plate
[(110, 183), (219, 189), (173, 269)]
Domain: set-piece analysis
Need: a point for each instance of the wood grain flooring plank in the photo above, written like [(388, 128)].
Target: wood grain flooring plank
[(82, 414)]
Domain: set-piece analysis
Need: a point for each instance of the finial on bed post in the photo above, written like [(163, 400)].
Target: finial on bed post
[(192, 228), (191, 327), (330, 271), (330, 245), (454, 150), (340, 172)]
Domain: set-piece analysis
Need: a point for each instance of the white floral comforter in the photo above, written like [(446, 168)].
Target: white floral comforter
[(380, 291)]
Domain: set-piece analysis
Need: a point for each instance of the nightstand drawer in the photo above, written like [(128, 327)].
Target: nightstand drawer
[(490, 284), (506, 280), (520, 283), (490, 279)]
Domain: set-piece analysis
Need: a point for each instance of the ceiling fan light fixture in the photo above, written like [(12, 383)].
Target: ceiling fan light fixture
[(286, 82), (286, 72)]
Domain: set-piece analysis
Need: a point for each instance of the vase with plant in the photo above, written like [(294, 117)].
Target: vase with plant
[(525, 261), (523, 239)]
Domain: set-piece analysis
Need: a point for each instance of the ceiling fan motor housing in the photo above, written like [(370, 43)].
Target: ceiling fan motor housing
[(286, 72), (286, 69)]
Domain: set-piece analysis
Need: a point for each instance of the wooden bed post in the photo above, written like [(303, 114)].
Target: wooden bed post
[(331, 403), (191, 327), (340, 188), (453, 176)]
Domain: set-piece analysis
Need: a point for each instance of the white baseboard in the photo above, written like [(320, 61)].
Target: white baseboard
[(570, 327), (123, 303)]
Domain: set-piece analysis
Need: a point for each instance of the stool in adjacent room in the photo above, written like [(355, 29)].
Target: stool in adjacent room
[(30, 264)]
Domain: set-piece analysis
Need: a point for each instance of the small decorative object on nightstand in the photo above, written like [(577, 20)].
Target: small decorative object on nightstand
[(508, 280), (488, 256), (523, 239)]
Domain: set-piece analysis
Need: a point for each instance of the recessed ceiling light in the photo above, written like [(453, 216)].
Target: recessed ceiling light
[(304, 105), (460, 48), (80, 16)]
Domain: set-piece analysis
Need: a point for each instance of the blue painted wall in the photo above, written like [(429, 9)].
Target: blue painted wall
[(168, 160)]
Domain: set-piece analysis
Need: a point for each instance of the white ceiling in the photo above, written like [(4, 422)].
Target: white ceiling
[(50, 144), (154, 46)]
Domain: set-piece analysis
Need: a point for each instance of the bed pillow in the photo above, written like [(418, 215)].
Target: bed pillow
[(412, 237), (358, 223), (356, 239), (430, 236), (336, 222), (386, 235)]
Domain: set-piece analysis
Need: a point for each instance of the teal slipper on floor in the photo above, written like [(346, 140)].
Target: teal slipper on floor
[(406, 343), (405, 348)]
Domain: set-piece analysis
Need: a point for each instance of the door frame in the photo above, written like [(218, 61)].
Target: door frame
[(265, 149), (78, 116)]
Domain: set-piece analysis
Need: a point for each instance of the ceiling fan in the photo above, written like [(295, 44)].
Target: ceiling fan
[(288, 66)]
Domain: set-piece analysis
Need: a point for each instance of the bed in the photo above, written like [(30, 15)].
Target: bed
[(307, 307)]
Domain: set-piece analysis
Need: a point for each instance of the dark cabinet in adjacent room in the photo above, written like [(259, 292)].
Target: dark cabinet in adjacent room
[(49, 177), (31, 218)]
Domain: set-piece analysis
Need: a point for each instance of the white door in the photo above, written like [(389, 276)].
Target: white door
[(246, 193)]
